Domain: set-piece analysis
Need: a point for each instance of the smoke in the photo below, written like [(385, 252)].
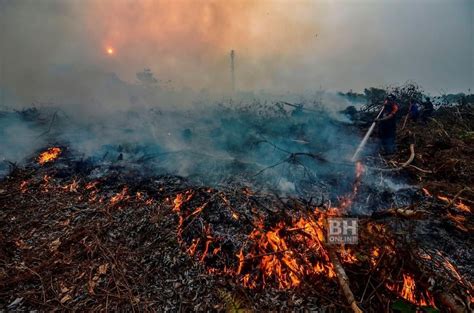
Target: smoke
[(280, 46), (18, 139), (261, 145), (54, 56)]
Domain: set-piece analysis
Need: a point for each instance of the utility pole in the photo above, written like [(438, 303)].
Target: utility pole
[(232, 69)]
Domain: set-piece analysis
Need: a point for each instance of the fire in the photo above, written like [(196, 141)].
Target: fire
[(284, 254), (91, 185), (45, 184), (192, 248), (122, 195), (110, 51), (209, 239), (348, 256), (463, 207), (409, 292), (181, 199), (458, 204), (241, 258), (408, 289), (72, 187), (375, 256), (49, 155), (346, 201)]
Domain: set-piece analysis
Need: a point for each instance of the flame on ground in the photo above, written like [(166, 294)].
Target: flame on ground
[(374, 257), (49, 155), (285, 253), (409, 292), (72, 187), (458, 204), (122, 195), (463, 207)]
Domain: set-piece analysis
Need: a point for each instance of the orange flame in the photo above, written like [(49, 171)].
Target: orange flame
[(409, 292), (408, 289), (122, 195), (72, 187), (49, 155), (348, 256), (463, 207), (180, 200), (458, 204), (285, 253), (91, 185), (375, 256)]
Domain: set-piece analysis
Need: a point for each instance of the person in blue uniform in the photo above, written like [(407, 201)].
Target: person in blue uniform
[(387, 123)]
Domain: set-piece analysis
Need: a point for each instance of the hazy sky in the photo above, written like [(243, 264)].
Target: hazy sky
[(282, 45)]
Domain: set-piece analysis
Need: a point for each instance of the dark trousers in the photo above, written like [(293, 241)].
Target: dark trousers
[(387, 145)]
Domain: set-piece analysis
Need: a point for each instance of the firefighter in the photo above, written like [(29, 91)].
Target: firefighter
[(388, 125), (414, 110)]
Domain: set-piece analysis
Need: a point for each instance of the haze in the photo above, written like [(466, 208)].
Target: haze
[(281, 46)]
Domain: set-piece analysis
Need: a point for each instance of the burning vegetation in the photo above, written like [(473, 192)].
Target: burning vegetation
[(49, 155), (87, 235)]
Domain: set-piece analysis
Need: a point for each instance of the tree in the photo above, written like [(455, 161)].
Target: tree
[(147, 77), (375, 96)]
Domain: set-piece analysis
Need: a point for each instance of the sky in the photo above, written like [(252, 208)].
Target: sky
[(281, 45)]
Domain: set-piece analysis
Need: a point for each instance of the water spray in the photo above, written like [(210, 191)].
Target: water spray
[(366, 137)]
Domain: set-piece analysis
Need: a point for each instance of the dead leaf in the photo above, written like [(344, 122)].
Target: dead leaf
[(91, 286), (65, 299), (53, 246), (135, 300), (22, 245), (63, 288), (103, 268), (65, 223)]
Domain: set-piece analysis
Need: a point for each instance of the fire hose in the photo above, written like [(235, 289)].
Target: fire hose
[(364, 142), (403, 165), (366, 138)]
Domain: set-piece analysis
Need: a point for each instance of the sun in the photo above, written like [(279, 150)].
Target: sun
[(110, 51)]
